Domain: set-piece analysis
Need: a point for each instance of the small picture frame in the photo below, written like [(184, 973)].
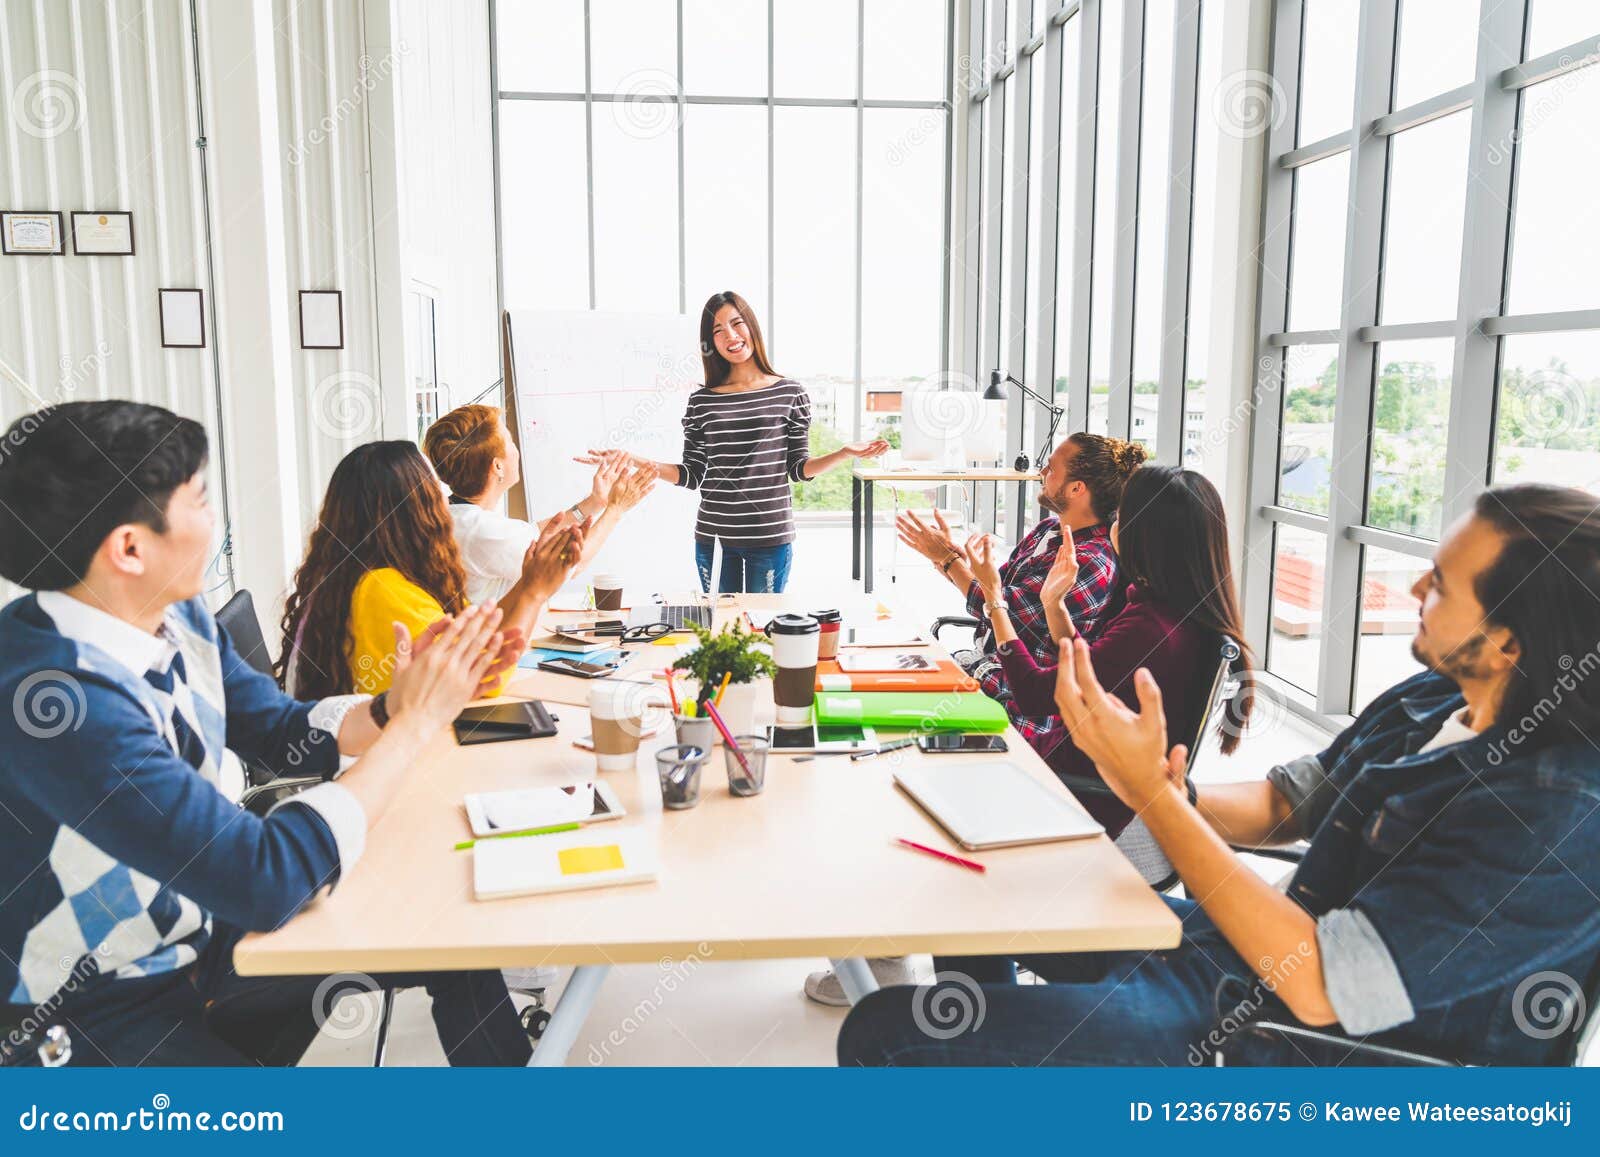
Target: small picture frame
[(34, 233), (103, 234), (321, 319), (183, 319)]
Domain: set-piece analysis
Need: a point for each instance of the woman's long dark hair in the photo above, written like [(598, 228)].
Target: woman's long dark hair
[(384, 507), (716, 366), (1172, 540)]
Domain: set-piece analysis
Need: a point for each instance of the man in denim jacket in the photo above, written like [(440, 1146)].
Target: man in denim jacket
[(1447, 901)]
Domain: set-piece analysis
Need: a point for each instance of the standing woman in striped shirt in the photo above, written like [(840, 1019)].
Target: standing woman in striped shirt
[(746, 438)]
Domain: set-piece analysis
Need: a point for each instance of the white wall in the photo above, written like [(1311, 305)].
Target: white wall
[(335, 130)]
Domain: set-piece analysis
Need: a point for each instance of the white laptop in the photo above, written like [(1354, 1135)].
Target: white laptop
[(993, 804)]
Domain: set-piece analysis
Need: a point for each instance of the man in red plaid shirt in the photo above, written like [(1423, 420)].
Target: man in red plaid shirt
[(1081, 486)]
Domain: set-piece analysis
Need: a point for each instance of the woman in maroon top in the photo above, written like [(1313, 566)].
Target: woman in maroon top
[(1171, 539)]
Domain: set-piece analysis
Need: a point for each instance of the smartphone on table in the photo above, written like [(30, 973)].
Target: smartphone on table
[(961, 743)]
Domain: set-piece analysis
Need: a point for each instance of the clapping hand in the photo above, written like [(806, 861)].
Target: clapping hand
[(608, 470), (407, 649), (1128, 747), (630, 489), (621, 458), (934, 543), (448, 664), (980, 557), (1063, 573), (552, 556)]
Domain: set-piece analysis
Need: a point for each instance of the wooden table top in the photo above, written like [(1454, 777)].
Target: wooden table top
[(808, 868)]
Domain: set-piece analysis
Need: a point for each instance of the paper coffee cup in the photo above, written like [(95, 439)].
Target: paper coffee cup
[(616, 717), (794, 650), (607, 592)]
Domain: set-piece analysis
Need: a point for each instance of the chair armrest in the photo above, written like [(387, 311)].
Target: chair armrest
[(943, 621), (1289, 855), (1267, 1042), (252, 798)]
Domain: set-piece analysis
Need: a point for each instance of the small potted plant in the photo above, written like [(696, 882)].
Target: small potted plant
[(732, 653)]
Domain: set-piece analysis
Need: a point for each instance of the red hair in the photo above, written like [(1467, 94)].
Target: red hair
[(463, 446)]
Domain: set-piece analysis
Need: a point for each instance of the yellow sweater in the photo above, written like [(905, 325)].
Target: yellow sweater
[(382, 598)]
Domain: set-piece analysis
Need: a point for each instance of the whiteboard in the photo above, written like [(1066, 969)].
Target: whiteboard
[(596, 380)]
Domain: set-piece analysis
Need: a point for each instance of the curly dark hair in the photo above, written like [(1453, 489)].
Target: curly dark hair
[(1104, 465), (384, 507)]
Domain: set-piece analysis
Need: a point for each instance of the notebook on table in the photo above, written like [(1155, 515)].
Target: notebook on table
[(933, 674), (993, 804), (565, 862), (913, 710)]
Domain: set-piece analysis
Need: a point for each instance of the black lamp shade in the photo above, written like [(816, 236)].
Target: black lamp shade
[(997, 387)]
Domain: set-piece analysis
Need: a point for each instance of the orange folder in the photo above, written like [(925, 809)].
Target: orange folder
[(949, 677)]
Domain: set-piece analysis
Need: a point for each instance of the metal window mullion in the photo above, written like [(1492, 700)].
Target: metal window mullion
[(494, 160), (1044, 248), (1302, 336), (972, 254), (1560, 321), (588, 141), (1520, 75), (1125, 255), (1272, 309), (1293, 516), (1019, 92), (772, 210), (1081, 268), (1180, 206), (1406, 331), (861, 207), (683, 210), (1315, 151), (1485, 246), (1389, 540), (1425, 111), (1352, 418)]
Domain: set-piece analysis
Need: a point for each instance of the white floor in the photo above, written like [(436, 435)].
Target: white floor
[(749, 1013)]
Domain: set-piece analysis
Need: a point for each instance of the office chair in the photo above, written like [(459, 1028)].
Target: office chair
[(266, 786), (1269, 1042), (49, 1046)]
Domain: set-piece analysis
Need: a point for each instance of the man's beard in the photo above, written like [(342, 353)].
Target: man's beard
[(1053, 505), (1460, 663)]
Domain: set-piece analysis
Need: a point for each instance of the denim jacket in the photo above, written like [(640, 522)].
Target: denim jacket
[(1455, 889)]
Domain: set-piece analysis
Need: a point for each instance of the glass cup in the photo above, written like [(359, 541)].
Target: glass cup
[(679, 770), (749, 777)]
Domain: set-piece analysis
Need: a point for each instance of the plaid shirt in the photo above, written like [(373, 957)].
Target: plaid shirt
[(1022, 578)]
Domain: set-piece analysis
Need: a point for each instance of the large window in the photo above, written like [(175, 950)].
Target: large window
[(1091, 166), (654, 152), (1432, 325)]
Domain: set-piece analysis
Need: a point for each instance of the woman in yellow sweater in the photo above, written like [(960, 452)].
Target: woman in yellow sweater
[(382, 566)]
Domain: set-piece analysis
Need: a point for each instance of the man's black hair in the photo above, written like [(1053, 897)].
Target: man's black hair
[(71, 474)]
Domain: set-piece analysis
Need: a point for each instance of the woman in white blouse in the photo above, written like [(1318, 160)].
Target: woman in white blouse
[(474, 454)]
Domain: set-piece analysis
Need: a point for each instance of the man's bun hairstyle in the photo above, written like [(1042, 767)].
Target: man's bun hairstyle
[(1104, 465), (71, 474)]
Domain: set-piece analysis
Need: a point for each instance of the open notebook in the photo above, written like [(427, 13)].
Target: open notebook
[(565, 862)]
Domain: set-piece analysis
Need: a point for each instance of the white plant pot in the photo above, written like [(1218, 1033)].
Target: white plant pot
[(738, 708)]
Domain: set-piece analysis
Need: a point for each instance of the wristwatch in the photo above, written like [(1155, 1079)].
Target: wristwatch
[(576, 510), (380, 709), (991, 608)]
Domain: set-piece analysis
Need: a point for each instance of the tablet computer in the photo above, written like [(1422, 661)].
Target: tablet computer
[(993, 804)]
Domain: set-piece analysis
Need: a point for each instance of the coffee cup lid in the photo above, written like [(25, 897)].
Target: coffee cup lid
[(792, 625), (826, 616), (608, 581)]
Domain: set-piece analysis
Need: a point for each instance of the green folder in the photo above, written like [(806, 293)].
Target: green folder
[(927, 711)]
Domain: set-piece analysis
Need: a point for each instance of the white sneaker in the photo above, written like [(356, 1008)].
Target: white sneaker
[(824, 987)]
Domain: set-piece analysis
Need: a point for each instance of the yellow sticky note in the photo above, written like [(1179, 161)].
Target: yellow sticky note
[(595, 858)]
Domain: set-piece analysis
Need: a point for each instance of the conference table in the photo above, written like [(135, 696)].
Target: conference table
[(862, 479), (808, 868)]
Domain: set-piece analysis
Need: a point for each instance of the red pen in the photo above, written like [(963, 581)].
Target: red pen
[(916, 847)]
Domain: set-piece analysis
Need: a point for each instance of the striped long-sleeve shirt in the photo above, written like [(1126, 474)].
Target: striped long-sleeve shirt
[(742, 450)]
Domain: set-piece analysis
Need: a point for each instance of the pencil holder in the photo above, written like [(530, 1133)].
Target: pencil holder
[(679, 771), (750, 776), (697, 731)]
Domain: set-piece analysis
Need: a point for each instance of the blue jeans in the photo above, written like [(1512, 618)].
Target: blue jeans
[(762, 570), (1100, 1008)]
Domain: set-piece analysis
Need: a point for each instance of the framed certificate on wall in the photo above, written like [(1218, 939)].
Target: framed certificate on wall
[(107, 234), (29, 232), (321, 319), (183, 319)]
